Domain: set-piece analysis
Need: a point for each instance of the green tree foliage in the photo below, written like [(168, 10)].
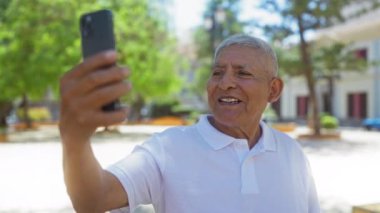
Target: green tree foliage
[(39, 41), (5, 103), (147, 48), (330, 61), (37, 47), (335, 58), (326, 61), (208, 37), (300, 17), (3, 7), (288, 61)]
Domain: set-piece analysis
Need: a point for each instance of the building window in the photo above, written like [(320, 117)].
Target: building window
[(361, 54), (302, 106), (326, 103), (357, 105)]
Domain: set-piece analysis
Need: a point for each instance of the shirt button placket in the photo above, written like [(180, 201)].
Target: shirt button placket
[(241, 150), (248, 177)]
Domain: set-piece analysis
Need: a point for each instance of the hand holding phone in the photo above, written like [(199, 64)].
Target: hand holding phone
[(97, 35), (92, 84)]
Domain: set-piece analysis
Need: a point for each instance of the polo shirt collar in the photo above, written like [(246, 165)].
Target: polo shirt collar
[(267, 138), (218, 140)]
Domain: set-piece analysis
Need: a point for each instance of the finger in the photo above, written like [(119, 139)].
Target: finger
[(100, 118), (76, 103), (107, 94), (101, 78), (110, 118), (92, 63)]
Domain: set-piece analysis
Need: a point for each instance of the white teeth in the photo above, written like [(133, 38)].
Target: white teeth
[(229, 100)]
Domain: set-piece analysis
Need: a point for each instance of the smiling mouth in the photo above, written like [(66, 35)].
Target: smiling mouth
[(229, 101)]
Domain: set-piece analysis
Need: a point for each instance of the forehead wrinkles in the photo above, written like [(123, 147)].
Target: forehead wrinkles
[(234, 65), (255, 59), (267, 62)]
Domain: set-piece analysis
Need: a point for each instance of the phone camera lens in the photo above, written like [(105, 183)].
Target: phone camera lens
[(88, 19), (86, 26)]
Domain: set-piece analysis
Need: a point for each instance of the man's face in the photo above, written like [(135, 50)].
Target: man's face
[(239, 88)]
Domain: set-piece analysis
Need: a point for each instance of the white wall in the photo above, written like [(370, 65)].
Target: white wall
[(353, 83), (375, 56), (293, 87), (365, 81), (349, 83)]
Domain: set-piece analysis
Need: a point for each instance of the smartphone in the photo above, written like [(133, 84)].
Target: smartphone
[(97, 35)]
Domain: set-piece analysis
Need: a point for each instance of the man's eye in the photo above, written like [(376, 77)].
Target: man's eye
[(244, 73), (216, 73)]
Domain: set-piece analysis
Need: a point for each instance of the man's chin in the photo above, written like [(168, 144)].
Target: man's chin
[(225, 121)]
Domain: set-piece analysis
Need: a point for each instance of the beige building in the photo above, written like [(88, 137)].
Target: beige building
[(356, 95)]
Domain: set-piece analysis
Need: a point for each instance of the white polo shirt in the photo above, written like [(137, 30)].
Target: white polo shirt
[(198, 169)]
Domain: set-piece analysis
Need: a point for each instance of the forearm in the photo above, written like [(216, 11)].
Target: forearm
[(84, 90), (84, 178)]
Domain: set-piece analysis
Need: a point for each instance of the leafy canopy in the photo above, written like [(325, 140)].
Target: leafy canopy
[(44, 43)]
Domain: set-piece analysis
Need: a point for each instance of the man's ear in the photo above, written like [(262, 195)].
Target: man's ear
[(276, 87)]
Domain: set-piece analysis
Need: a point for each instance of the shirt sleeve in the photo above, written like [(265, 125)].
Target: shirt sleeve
[(140, 174), (313, 201)]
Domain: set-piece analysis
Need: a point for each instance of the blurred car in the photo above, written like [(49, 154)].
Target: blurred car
[(371, 123)]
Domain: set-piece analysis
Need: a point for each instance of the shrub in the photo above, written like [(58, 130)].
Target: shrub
[(329, 122), (36, 114)]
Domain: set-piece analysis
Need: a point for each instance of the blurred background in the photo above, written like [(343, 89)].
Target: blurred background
[(328, 53)]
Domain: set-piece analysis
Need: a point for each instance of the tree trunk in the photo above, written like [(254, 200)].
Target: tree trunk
[(5, 109), (135, 113), (330, 94), (25, 105), (308, 71)]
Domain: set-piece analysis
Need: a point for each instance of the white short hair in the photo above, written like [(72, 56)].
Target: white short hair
[(254, 43)]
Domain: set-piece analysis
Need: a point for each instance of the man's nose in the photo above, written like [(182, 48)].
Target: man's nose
[(227, 81)]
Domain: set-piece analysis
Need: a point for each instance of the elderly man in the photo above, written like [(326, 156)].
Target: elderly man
[(229, 161)]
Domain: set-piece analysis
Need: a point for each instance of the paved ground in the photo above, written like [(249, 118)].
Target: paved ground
[(346, 172)]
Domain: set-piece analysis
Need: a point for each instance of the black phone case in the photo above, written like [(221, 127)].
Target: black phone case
[(97, 35)]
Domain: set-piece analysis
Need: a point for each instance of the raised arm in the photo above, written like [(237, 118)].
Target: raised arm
[(84, 90)]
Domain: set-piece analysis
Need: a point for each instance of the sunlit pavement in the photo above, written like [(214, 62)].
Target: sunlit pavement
[(346, 172)]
